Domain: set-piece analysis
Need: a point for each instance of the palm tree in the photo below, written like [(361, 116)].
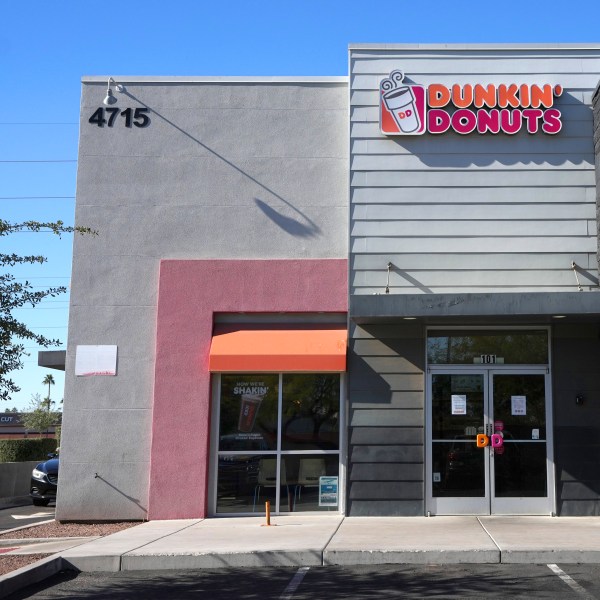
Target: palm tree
[(48, 380)]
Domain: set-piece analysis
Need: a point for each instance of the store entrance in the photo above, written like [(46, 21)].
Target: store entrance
[(489, 450)]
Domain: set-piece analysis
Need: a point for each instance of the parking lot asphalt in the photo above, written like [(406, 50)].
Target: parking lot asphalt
[(316, 541)]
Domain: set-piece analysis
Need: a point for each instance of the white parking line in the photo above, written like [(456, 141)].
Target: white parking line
[(292, 586), (34, 516), (571, 582)]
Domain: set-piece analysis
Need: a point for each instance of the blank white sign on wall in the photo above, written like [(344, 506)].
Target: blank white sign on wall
[(95, 360)]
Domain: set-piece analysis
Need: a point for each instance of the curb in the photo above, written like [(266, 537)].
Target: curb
[(33, 573)]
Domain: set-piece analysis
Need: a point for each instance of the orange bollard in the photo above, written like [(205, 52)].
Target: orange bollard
[(268, 514)]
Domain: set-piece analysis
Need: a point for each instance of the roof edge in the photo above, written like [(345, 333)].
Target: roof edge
[(467, 47), (212, 79)]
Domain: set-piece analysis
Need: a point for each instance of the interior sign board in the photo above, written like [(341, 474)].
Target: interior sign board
[(459, 404), (518, 405), (466, 383), (328, 491)]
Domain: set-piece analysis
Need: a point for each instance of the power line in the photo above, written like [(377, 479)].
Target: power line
[(40, 161), (42, 348), (52, 302), (64, 307)]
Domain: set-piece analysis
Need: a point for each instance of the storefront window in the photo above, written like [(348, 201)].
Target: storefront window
[(248, 412), (487, 347), (305, 490), (279, 440), (311, 410)]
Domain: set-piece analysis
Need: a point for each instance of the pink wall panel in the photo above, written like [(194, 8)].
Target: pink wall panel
[(190, 291)]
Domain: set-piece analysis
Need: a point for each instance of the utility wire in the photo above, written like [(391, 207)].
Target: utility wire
[(40, 161), (19, 309), (53, 302)]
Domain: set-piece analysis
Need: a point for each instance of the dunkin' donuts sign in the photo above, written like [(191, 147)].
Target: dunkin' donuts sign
[(504, 108)]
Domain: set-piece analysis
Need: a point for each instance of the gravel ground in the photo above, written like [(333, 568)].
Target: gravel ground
[(11, 562), (56, 529), (16, 561)]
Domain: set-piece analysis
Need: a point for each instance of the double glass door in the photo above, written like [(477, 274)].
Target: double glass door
[(489, 442)]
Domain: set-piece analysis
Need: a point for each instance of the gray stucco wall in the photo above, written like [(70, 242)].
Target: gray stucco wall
[(225, 169), (15, 480)]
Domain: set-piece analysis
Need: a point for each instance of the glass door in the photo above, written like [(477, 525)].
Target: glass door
[(488, 451), (521, 469), (459, 478)]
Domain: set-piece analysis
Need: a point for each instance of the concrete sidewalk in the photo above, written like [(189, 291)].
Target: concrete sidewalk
[(335, 540), (318, 540)]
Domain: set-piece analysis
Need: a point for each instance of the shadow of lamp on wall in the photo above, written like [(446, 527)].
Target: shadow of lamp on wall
[(130, 498), (416, 283)]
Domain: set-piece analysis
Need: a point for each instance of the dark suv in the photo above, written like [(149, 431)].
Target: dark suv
[(43, 481)]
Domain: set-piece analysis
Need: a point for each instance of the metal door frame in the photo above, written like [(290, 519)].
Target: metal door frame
[(489, 504)]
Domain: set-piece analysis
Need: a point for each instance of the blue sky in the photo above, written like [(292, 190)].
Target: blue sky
[(45, 49)]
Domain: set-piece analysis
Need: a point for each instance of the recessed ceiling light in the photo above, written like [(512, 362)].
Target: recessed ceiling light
[(410, 318), (559, 316)]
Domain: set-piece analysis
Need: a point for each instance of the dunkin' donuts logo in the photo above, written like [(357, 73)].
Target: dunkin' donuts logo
[(464, 109)]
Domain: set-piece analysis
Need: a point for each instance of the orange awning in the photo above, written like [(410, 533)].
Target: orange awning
[(279, 349)]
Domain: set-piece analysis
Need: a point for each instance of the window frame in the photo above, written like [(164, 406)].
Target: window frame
[(215, 453)]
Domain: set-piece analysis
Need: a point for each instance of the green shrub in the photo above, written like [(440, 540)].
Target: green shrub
[(26, 449)]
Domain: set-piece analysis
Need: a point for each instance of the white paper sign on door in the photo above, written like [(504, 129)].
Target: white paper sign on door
[(518, 405), (459, 404)]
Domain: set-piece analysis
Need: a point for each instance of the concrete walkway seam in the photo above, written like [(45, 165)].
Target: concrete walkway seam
[(329, 541), (493, 540), (154, 540), (163, 536)]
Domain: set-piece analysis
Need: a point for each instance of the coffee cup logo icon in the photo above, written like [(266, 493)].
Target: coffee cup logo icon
[(400, 102)]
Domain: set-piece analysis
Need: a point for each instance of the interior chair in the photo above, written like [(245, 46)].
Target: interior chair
[(267, 477), (308, 474)]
